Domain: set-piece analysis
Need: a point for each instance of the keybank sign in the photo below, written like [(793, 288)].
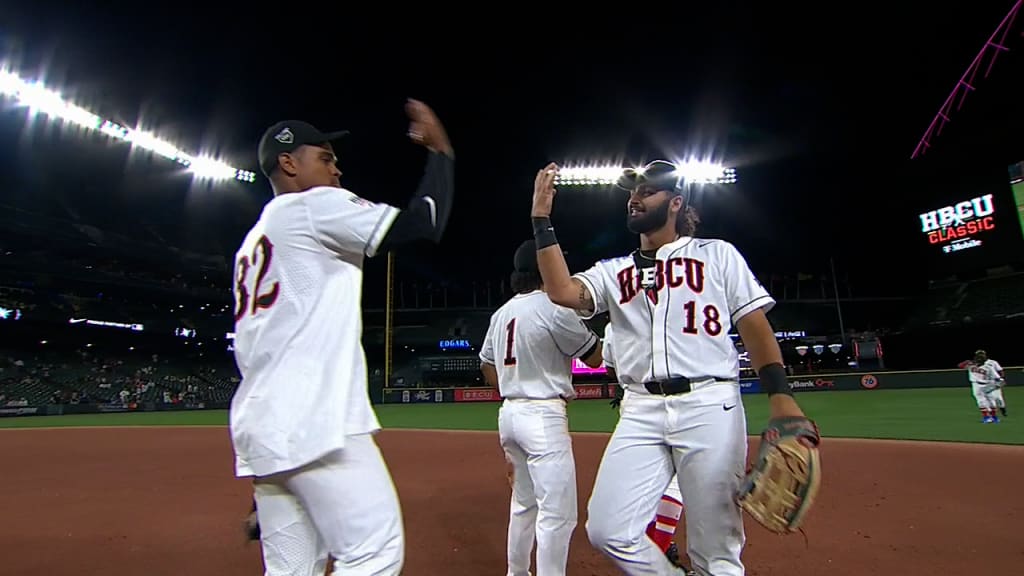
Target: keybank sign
[(959, 221)]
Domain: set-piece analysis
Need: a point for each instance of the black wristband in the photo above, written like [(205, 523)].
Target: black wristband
[(773, 379), (543, 232)]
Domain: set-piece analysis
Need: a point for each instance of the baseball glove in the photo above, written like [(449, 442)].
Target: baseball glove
[(781, 486)]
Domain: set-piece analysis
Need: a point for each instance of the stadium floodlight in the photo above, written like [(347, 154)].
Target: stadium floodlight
[(705, 172), (692, 171), (588, 175), (39, 99)]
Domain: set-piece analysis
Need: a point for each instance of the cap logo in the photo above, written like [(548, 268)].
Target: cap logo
[(285, 136)]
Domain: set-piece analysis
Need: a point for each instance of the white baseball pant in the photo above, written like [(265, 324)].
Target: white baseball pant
[(988, 396), (673, 486), (534, 435), (344, 504), (704, 433), (997, 397)]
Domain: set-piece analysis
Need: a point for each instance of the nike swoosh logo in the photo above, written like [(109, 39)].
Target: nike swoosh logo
[(433, 210), (727, 408), (704, 244)]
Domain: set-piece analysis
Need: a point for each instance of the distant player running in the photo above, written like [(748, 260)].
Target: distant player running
[(987, 381)]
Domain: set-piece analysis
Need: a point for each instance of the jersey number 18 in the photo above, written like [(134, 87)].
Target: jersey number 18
[(712, 319)]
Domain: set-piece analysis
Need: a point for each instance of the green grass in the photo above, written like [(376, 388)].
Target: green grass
[(928, 414), (183, 418)]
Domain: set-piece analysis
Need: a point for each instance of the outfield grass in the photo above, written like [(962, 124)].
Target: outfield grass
[(928, 414)]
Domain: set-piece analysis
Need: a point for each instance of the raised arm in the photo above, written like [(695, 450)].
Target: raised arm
[(560, 286), (346, 223), (427, 214)]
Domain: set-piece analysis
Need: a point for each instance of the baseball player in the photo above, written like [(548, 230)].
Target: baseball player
[(527, 354), (662, 529), (301, 421), (987, 381), (672, 302)]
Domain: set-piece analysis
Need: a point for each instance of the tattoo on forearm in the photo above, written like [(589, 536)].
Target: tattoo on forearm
[(586, 302)]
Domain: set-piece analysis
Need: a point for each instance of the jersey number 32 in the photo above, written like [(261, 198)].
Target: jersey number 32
[(262, 253)]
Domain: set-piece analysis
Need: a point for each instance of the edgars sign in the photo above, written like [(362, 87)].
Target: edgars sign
[(453, 344)]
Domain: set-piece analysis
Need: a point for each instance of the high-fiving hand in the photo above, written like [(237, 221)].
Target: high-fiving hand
[(544, 191), (425, 129)]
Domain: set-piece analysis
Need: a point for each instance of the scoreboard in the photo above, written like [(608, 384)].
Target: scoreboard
[(969, 217), (961, 226), (1017, 186)]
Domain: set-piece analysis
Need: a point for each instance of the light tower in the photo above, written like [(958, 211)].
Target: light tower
[(995, 44)]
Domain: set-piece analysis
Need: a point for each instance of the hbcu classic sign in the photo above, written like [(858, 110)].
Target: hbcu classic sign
[(954, 225)]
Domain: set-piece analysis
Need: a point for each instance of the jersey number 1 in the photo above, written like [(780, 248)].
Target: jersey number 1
[(266, 300), (510, 335), (712, 319)]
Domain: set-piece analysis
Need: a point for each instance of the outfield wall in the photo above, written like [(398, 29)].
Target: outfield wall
[(62, 409), (866, 381)]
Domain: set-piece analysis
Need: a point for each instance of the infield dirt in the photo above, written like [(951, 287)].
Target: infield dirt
[(149, 500)]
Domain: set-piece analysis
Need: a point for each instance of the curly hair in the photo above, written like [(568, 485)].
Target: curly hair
[(687, 221)]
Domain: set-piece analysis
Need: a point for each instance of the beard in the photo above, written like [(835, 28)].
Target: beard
[(649, 220)]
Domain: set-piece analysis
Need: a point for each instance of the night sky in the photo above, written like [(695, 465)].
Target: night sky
[(818, 111)]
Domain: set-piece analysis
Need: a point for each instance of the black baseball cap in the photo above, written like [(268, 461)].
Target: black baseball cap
[(288, 135), (659, 173), (525, 259)]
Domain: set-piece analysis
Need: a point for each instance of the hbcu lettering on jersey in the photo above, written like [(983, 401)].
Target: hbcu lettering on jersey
[(959, 220), (675, 272), (987, 372)]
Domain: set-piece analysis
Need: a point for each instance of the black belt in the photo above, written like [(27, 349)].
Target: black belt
[(677, 385), (559, 397)]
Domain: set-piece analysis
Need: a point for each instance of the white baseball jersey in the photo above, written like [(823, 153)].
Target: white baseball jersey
[(986, 373), (535, 341), (298, 328), (607, 350), (680, 327)]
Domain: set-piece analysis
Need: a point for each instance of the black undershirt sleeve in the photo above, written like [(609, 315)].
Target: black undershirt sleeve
[(426, 216)]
